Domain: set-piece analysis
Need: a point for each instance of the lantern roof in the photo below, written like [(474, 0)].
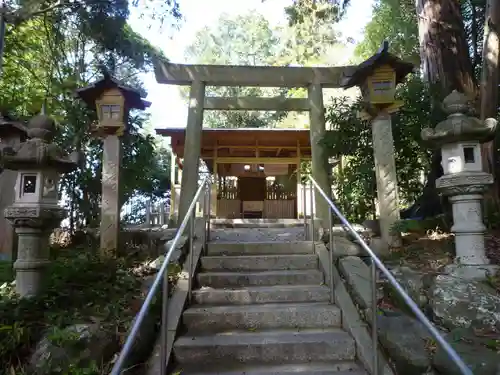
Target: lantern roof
[(10, 127), (382, 57), (91, 93), (459, 126), (38, 152)]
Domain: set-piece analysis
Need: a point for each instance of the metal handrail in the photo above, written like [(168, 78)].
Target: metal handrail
[(464, 369), (163, 276)]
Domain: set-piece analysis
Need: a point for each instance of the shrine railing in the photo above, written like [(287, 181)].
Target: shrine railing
[(376, 263), (187, 225)]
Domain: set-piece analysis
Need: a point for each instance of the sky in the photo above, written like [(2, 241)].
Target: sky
[(168, 109)]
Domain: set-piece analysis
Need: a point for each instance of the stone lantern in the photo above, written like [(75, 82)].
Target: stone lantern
[(112, 101), (464, 182), (35, 211), (12, 133), (377, 77)]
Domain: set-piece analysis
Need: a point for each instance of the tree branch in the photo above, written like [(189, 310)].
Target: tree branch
[(17, 17)]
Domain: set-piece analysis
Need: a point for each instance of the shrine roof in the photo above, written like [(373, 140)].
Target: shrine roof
[(243, 142)]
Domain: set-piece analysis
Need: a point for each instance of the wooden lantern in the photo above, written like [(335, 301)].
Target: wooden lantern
[(378, 76), (112, 102)]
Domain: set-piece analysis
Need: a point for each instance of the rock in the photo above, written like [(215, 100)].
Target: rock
[(180, 244), (413, 282), (343, 247), (342, 231), (168, 234), (405, 340), (156, 264), (77, 345), (378, 246), (372, 226), (456, 302), (358, 278), (481, 360)]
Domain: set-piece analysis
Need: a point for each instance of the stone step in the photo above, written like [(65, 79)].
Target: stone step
[(249, 248), (265, 278), (260, 262), (262, 294), (260, 317), (257, 223), (320, 368), (286, 346)]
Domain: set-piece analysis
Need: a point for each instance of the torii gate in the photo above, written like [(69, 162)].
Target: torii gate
[(200, 76)]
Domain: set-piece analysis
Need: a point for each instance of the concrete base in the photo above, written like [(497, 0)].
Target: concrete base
[(256, 223), (262, 294), (260, 248), (266, 278), (471, 272), (215, 319), (266, 347), (260, 263), (325, 368)]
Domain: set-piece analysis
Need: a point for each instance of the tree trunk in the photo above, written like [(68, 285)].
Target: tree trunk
[(489, 86), (446, 67), (443, 47)]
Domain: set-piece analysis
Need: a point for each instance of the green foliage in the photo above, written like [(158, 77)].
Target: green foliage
[(396, 22), (311, 31), (80, 287), (52, 53), (350, 138), (6, 272), (242, 40), (422, 227), (103, 22), (326, 11)]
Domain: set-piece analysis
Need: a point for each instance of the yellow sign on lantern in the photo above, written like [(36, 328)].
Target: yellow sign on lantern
[(381, 86)]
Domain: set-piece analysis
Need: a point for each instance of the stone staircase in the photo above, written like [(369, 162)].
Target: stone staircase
[(262, 309)]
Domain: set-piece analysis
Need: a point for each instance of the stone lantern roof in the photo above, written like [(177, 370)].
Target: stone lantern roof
[(38, 152), (459, 126), (9, 127)]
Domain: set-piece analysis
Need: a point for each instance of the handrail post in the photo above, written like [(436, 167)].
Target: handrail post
[(304, 206), (148, 212), (209, 188), (205, 210), (191, 255), (163, 325), (374, 317), (311, 196), (330, 238)]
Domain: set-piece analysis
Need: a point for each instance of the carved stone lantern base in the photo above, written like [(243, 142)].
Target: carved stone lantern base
[(465, 191), (471, 271), (32, 225)]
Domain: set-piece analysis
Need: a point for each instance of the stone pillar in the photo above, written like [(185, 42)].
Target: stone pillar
[(173, 179), (319, 157), (110, 208), (33, 259), (385, 173), (192, 147)]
